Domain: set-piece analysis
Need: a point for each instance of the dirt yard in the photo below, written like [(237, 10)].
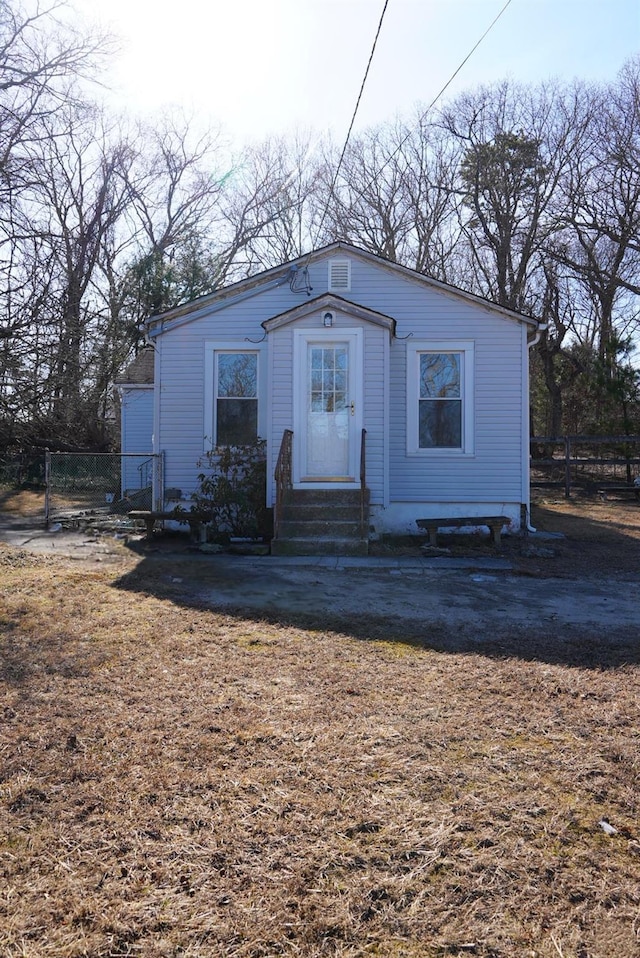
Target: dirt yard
[(600, 538), (185, 776)]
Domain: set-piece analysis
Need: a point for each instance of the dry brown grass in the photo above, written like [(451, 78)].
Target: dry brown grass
[(21, 502), (178, 781), (602, 537)]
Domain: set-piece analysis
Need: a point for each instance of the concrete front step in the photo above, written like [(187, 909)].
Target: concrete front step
[(331, 497), (319, 546), (322, 522), (303, 512), (294, 526)]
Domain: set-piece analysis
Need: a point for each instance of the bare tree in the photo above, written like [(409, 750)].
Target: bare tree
[(367, 205), (80, 193), (176, 184), (42, 61), (599, 212), (517, 144), (394, 196), (274, 200), (432, 159)]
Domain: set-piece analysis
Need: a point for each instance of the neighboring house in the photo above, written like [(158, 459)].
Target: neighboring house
[(354, 356), (135, 389)]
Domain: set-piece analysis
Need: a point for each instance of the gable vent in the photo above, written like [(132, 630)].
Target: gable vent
[(339, 275)]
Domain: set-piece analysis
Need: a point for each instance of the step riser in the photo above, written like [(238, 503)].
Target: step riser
[(325, 497), (308, 529), (295, 513)]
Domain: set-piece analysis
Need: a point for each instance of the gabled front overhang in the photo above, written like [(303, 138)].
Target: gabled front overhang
[(330, 303)]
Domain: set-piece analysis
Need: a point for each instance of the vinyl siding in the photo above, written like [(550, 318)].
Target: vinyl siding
[(376, 349), (281, 394), (492, 474), (136, 431)]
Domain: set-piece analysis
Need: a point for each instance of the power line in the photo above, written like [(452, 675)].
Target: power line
[(361, 193), (353, 120), (437, 96)]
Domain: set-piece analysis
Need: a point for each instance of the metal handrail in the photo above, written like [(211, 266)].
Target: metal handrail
[(146, 472), (283, 476), (363, 475)]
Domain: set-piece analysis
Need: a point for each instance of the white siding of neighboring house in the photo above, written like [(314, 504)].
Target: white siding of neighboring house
[(407, 486), (136, 418)]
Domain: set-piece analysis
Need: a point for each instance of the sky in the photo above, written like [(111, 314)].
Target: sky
[(259, 68)]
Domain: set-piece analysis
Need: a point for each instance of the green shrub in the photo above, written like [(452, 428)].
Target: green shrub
[(233, 490)]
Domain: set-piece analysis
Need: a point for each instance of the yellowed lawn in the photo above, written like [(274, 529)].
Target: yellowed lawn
[(180, 781)]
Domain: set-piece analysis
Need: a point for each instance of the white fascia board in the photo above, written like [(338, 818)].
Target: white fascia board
[(277, 276)]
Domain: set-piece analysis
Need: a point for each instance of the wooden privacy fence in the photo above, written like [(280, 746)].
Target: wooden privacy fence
[(584, 461)]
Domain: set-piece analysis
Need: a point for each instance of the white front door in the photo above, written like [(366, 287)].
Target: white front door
[(328, 406)]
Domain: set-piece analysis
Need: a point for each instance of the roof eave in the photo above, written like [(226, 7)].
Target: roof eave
[(190, 311), (242, 285), (333, 302)]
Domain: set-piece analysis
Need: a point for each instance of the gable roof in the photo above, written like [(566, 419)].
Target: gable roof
[(329, 301), (140, 371), (286, 272)]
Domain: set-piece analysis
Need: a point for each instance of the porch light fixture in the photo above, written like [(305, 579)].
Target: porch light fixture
[(327, 319)]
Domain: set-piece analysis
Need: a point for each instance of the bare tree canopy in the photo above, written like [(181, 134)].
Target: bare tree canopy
[(527, 195)]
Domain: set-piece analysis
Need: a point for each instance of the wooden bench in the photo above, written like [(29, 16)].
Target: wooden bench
[(151, 516), (619, 490), (494, 523)]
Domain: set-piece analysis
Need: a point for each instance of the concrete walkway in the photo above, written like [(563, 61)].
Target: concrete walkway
[(482, 591), (30, 534)]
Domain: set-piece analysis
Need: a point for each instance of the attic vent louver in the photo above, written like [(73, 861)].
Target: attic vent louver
[(339, 275)]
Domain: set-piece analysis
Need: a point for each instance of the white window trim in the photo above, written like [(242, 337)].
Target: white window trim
[(210, 350), (467, 349)]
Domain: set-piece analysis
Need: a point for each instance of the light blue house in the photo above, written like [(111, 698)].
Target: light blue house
[(374, 387)]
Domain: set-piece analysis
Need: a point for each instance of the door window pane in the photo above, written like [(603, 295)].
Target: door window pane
[(328, 378), (327, 427)]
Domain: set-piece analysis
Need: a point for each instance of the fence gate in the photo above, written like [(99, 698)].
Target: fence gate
[(109, 485)]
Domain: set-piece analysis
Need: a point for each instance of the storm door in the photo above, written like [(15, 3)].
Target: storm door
[(328, 416)]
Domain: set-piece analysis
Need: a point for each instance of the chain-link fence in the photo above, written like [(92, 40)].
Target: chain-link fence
[(92, 485)]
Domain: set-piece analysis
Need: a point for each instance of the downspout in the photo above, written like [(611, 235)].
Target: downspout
[(535, 339), (542, 328)]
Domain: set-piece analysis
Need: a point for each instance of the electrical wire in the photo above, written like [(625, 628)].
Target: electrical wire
[(435, 99), (353, 120), (361, 193)]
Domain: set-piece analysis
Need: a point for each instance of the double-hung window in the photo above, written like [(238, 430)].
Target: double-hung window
[(440, 398), (236, 398), (232, 415)]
